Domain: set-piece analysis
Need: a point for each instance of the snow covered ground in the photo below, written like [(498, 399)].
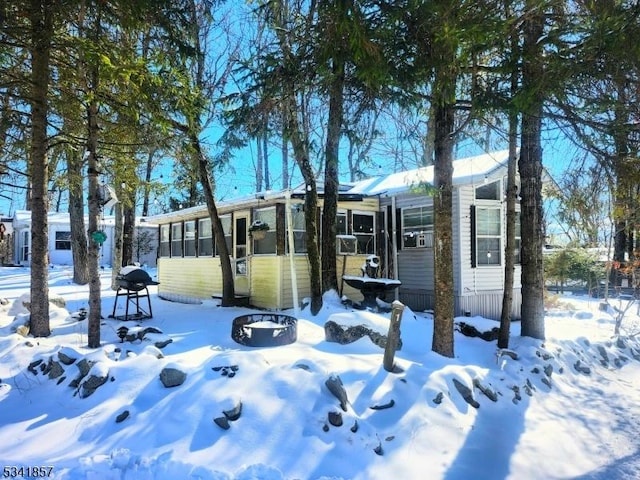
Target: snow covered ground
[(568, 407)]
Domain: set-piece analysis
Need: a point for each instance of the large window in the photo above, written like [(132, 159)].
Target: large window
[(417, 227), (63, 241), (363, 229), (226, 228), (190, 238), (265, 242), (165, 246), (299, 240), (205, 241), (488, 236), (176, 239)]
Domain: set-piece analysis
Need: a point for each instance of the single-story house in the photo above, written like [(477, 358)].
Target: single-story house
[(258, 241), (390, 216), (145, 242)]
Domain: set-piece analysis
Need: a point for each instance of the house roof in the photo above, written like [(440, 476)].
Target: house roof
[(22, 219), (465, 171)]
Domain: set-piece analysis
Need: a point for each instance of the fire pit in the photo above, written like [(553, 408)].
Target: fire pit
[(132, 285), (264, 329)]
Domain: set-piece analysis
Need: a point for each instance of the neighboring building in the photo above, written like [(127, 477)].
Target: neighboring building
[(391, 216), (60, 240)]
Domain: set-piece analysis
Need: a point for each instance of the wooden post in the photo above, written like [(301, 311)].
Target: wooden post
[(393, 336)]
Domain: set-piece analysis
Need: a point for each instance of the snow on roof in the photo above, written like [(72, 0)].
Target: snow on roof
[(465, 171), (22, 218)]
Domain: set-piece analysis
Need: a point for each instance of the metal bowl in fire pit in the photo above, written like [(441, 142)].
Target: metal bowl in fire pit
[(264, 329)]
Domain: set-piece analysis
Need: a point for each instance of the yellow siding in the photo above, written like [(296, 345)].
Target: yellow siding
[(265, 284), (190, 277), (302, 276)]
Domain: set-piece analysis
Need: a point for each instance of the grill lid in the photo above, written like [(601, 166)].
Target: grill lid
[(134, 275)]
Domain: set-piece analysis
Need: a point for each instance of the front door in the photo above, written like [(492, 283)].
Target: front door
[(241, 269)]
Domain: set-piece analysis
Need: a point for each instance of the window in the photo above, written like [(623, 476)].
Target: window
[(417, 227), (226, 228), (299, 240), (488, 236), (190, 238), (364, 232), (241, 246), (205, 242), (63, 241), (176, 239), (341, 223), (489, 191), (164, 241), (265, 242), (25, 247)]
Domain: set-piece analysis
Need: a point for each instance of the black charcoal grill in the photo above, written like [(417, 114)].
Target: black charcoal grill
[(132, 285)]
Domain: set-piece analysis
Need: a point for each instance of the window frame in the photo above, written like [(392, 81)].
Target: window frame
[(270, 235), (177, 248), (189, 238), (486, 235), (205, 238), (427, 228), (62, 244), (164, 247), (371, 235)]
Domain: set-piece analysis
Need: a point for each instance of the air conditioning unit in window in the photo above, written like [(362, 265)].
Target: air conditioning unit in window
[(346, 244), (424, 240)]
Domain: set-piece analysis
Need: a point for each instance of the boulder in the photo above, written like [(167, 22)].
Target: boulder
[(343, 334), (172, 377), (97, 376)]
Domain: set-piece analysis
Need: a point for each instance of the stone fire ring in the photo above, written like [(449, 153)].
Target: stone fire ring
[(264, 329)]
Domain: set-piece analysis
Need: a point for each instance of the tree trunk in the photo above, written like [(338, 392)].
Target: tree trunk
[(510, 247), (41, 36), (79, 249), (331, 181), (530, 164), (95, 208), (128, 229), (443, 229), (147, 181), (116, 252), (310, 199), (512, 191), (228, 287)]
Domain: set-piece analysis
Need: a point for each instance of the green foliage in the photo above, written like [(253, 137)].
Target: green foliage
[(574, 264)]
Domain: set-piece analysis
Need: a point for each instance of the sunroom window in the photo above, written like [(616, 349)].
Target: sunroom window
[(226, 228), (176, 239), (205, 241), (165, 246), (298, 228), (265, 243), (190, 238)]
